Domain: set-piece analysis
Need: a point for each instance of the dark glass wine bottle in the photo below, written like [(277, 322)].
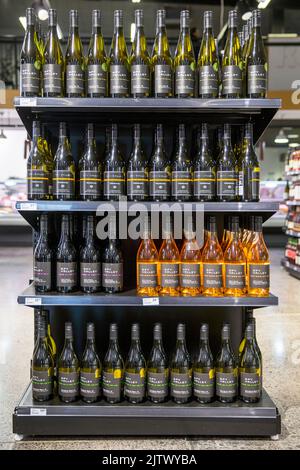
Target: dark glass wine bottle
[(249, 170), (118, 60), (182, 174), (30, 59), (232, 64), (42, 367), (184, 60), (43, 259), (38, 170), (161, 59), (90, 169), (64, 168), (137, 169), (114, 170), (135, 369), (250, 369), (208, 63), (68, 369), (66, 260), (112, 262), (90, 260), (157, 369), (97, 62), (159, 169), (256, 60), (204, 168), (227, 170), (203, 369), (140, 61), (90, 370), (75, 61), (226, 370), (181, 369), (53, 61), (113, 368)]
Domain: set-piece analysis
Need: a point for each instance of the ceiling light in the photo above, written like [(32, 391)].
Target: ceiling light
[(22, 20), (246, 15), (281, 138), (2, 135), (43, 14), (293, 136), (263, 4), (294, 144), (136, 1)]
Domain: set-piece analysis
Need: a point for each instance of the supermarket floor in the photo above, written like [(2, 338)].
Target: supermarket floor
[(278, 332)]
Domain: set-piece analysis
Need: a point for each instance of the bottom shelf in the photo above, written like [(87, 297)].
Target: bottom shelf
[(291, 268), (78, 419)]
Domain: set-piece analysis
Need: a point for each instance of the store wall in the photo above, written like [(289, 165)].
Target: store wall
[(12, 163)]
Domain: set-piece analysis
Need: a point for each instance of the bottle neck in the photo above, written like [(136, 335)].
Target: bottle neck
[(74, 31), (44, 229), (65, 229), (90, 343), (96, 30), (90, 230)]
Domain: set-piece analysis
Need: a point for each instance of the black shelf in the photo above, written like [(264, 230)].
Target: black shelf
[(130, 299), (291, 268), (56, 418)]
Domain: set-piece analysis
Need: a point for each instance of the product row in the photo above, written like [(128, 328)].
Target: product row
[(223, 172), (292, 164), (292, 221), (292, 251), (240, 71), (181, 378), (238, 266)]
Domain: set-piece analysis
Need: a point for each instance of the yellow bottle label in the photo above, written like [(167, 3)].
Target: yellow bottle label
[(256, 169)]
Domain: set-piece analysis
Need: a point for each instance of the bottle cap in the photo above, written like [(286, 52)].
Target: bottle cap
[(135, 331), (248, 130), (68, 330), (52, 17), (113, 331), (207, 19), (258, 223), (118, 18), (159, 133), (249, 334), (235, 225), (184, 19), (30, 17), (157, 331), (137, 132), (36, 129), (90, 131), (181, 132), (227, 131), (226, 331), (232, 19), (96, 18), (160, 18), (256, 18), (212, 223), (139, 18), (181, 331), (204, 331), (90, 331), (73, 15)]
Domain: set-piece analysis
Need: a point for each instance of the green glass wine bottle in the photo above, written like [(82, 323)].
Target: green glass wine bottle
[(118, 60), (30, 59), (208, 63), (140, 61), (97, 62), (53, 61), (184, 60)]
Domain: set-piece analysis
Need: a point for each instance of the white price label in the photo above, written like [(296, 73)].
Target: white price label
[(148, 301), (38, 411), (28, 206), (27, 101), (33, 301)]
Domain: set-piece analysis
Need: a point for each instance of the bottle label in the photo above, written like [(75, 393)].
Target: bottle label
[(235, 276), (259, 276), (232, 80), (90, 274), (134, 384), (181, 183), (52, 74), (169, 275), (157, 384), (140, 79), (112, 384), (68, 384), (30, 79), (160, 183), (254, 181), (42, 274), (90, 384), (181, 385), (240, 185), (162, 79), (212, 276), (37, 183), (226, 183), (74, 79), (114, 183), (147, 274), (90, 183), (226, 384), (204, 384), (42, 382), (112, 275), (119, 80), (184, 80), (190, 275), (137, 183), (204, 183), (96, 79), (208, 81), (257, 79), (250, 385), (63, 183), (66, 274)]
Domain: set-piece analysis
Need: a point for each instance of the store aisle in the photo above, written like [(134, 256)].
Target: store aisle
[(278, 332)]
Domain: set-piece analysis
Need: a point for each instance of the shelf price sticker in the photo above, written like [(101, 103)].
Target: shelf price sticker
[(150, 301), (33, 301), (38, 411), (28, 101), (28, 206)]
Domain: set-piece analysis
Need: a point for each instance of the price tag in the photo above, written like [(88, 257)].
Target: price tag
[(33, 301), (27, 101), (28, 206), (149, 301), (38, 412)]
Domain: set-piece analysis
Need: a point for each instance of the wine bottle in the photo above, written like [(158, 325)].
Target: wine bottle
[(258, 263), (184, 60), (181, 369), (135, 369), (113, 368), (90, 260), (140, 61), (169, 261), (159, 169), (226, 370), (203, 369), (66, 260), (53, 61), (256, 60), (90, 169), (251, 320), (157, 369), (204, 168), (97, 63), (112, 262), (42, 367), (161, 59), (38, 171), (68, 369), (249, 169), (227, 169), (47, 148), (137, 169), (75, 61), (64, 168), (147, 263), (208, 63), (190, 263), (250, 369), (90, 370), (118, 60), (43, 259), (235, 263), (212, 262), (30, 59), (182, 175), (232, 63), (114, 169)]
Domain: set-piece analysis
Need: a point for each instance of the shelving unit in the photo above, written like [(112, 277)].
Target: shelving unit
[(56, 418)]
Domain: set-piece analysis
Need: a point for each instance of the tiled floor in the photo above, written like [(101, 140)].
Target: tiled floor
[(278, 331)]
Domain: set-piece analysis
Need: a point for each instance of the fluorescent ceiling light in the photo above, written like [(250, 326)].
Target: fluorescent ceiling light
[(43, 14), (263, 4), (294, 144), (22, 20), (136, 1), (293, 136), (281, 138), (283, 35), (246, 15)]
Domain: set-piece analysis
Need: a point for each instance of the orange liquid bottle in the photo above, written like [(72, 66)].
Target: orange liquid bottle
[(212, 262), (147, 264), (258, 263), (235, 263), (190, 263)]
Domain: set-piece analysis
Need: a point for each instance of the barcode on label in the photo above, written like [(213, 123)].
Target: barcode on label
[(151, 301), (33, 301), (38, 411), (28, 206)]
